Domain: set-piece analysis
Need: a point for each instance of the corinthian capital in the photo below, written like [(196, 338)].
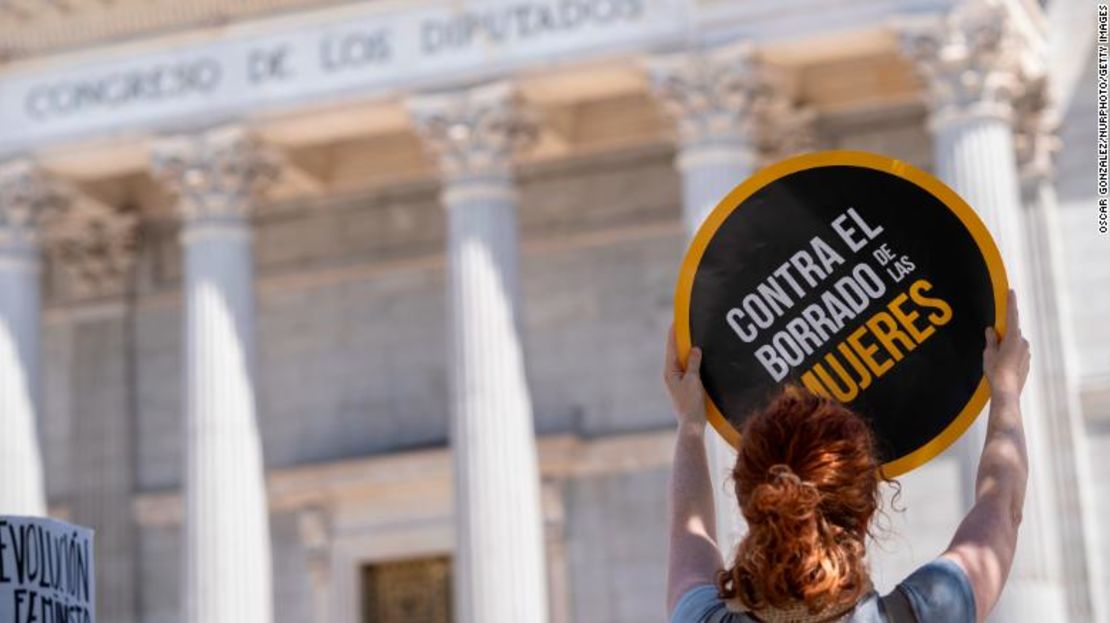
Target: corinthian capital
[(215, 174), (975, 61), (28, 197), (712, 94), (788, 129), (91, 247), (474, 133)]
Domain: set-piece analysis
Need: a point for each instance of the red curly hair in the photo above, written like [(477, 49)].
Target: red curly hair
[(807, 480)]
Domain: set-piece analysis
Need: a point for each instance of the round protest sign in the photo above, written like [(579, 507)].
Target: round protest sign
[(856, 275)]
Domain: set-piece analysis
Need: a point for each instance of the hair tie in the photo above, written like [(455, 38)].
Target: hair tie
[(782, 471), (783, 475)]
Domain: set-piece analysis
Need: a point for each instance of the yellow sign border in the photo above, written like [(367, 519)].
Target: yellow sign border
[(912, 174)]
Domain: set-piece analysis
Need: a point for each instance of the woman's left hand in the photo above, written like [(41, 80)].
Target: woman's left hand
[(684, 386)]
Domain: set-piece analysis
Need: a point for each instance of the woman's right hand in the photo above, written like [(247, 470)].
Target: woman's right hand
[(1006, 362), (684, 385)]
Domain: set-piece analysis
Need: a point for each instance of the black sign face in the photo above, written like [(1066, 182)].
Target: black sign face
[(862, 278)]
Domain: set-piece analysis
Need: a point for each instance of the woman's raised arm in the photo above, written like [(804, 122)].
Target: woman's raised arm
[(693, 558), (985, 542)]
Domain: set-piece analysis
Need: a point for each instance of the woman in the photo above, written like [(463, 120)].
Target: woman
[(807, 482)]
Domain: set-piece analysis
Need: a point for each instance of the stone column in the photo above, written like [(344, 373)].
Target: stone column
[(718, 99), (1037, 145), (712, 95), (26, 198), (975, 63), (500, 566), (227, 570)]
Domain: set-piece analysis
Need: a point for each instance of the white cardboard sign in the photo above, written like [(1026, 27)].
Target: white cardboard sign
[(46, 571)]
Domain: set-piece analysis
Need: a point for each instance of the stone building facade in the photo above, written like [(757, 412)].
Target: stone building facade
[(324, 311)]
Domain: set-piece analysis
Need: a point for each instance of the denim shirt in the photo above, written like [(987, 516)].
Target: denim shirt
[(938, 591)]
